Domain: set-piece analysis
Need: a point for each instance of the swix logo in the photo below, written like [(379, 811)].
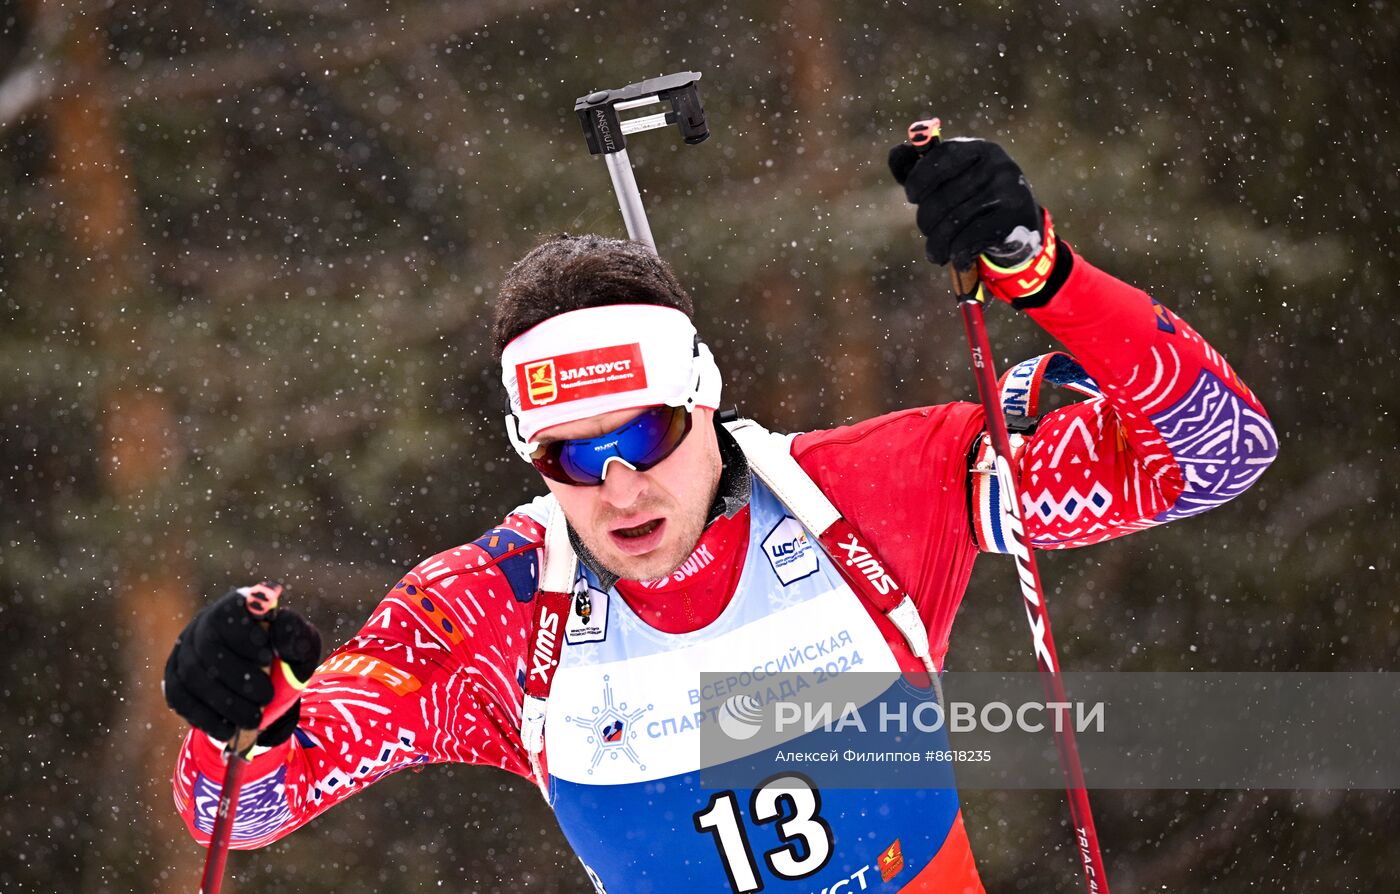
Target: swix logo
[(546, 645), (539, 382), (859, 558), (698, 561), (1025, 573)]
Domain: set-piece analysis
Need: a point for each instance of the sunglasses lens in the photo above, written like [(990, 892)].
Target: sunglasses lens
[(578, 466), (642, 443), (657, 436), (546, 462)]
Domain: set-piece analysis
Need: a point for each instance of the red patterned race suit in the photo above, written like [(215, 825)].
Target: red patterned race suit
[(435, 674)]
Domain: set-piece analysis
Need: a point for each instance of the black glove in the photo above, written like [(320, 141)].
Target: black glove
[(216, 677), (972, 200)]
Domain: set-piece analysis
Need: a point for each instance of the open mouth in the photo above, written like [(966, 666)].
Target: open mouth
[(638, 540), (641, 530)]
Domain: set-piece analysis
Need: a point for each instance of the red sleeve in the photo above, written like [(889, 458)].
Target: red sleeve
[(901, 480), (1176, 432), (434, 676)]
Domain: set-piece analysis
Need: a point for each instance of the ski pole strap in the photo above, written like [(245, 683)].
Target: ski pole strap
[(1019, 393), (770, 457), (864, 571), (551, 608), (558, 570), (1020, 385)]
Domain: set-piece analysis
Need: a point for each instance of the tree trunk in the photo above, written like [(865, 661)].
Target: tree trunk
[(817, 83), (140, 455)]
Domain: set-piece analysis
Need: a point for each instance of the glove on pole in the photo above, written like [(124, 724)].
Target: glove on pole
[(992, 211), (236, 674)]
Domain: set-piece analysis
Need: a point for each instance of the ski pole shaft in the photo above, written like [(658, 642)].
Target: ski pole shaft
[(213, 877), (970, 296), (261, 600), (1032, 590)]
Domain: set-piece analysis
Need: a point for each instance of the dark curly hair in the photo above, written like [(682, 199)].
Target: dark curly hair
[(565, 273)]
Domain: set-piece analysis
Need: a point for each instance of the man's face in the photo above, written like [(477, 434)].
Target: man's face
[(643, 525)]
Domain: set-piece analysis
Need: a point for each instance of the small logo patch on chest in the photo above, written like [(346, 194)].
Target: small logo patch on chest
[(790, 551), (588, 615)]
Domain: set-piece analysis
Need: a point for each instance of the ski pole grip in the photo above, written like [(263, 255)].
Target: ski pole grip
[(261, 600), (966, 284), (923, 136)]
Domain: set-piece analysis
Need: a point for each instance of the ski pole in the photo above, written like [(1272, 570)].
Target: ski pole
[(261, 600), (606, 133), (971, 296)]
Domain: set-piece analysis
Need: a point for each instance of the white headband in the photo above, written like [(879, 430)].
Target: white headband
[(602, 359)]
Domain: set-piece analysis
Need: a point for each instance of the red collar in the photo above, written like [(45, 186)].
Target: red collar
[(693, 595)]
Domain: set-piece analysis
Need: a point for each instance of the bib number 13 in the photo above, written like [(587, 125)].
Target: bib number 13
[(791, 801)]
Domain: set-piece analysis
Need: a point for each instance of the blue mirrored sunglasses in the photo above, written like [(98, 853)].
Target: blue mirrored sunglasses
[(641, 443)]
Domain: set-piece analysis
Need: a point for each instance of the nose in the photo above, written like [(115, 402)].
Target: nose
[(622, 485)]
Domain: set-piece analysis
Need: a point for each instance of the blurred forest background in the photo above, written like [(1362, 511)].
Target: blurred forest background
[(247, 249)]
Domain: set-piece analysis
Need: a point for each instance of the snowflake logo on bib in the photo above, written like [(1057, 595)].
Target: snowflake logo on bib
[(612, 729)]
